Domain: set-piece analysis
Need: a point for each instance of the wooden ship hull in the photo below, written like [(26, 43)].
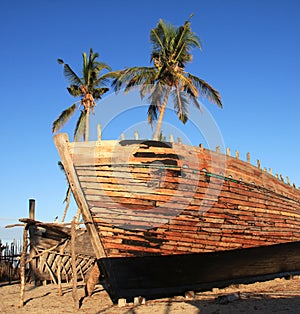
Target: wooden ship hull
[(164, 218)]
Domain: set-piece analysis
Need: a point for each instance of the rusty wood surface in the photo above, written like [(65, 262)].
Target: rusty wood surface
[(151, 198)]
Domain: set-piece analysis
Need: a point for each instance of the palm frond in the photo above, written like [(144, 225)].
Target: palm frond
[(185, 40), (72, 76), (100, 66), (63, 118), (80, 126), (206, 90), (61, 166), (155, 99), (162, 40), (85, 69), (131, 77), (98, 92), (180, 101), (74, 90), (68, 195)]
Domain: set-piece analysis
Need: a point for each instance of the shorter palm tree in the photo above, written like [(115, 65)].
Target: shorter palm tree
[(89, 88), (171, 48)]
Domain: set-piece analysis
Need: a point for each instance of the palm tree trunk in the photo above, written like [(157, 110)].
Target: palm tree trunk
[(161, 115), (87, 125)]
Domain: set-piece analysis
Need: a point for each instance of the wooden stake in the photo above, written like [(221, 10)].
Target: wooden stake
[(74, 286), (258, 164), (248, 157), (23, 266), (59, 268), (99, 131), (136, 135), (32, 209), (59, 273), (32, 237)]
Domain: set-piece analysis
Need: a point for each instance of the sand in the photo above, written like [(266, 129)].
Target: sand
[(275, 296)]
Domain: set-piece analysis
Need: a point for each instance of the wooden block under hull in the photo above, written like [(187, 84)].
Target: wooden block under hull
[(162, 276)]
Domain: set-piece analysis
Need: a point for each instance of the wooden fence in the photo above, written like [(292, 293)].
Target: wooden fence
[(10, 260)]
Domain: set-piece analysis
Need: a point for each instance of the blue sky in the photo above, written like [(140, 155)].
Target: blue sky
[(250, 54)]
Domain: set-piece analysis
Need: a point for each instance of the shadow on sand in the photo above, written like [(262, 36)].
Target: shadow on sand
[(250, 303)]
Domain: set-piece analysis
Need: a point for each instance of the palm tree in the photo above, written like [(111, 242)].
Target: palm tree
[(89, 88), (171, 48)]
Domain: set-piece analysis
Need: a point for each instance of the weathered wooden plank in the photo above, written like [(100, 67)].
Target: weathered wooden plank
[(61, 142)]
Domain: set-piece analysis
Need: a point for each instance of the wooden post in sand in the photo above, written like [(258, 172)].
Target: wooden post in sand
[(74, 270), (23, 266), (59, 268)]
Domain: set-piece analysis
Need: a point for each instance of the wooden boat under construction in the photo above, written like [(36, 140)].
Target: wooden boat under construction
[(50, 251), (164, 218)]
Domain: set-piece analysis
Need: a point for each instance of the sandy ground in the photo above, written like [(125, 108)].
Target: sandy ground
[(276, 296)]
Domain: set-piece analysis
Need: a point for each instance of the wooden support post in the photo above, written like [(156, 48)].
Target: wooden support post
[(237, 155), (171, 138), (32, 238), (228, 151), (59, 268), (59, 273), (248, 157), (136, 135), (32, 209), (281, 177), (23, 266), (218, 149), (74, 270), (258, 164), (99, 130), (122, 302)]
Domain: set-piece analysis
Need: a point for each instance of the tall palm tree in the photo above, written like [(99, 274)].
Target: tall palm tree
[(171, 48), (89, 88)]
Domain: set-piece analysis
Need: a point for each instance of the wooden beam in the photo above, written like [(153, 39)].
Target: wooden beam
[(62, 144)]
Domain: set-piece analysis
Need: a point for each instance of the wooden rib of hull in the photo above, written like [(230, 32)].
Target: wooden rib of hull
[(148, 198)]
